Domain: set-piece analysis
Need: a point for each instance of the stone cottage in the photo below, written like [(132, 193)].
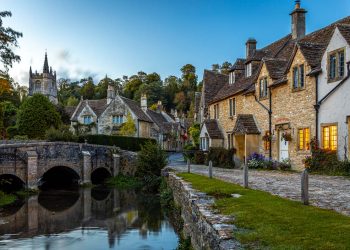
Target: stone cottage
[(281, 96), (107, 116)]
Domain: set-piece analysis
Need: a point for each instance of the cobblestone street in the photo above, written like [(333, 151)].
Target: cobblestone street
[(327, 192)]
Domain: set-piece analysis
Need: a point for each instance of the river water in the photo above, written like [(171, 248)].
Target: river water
[(99, 218)]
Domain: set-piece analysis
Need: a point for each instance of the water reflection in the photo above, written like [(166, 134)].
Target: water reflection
[(87, 219)]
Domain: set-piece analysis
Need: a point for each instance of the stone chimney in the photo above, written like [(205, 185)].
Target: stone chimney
[(144, 102), (110, 93), (298, 21), (250, 47), (159, 107)]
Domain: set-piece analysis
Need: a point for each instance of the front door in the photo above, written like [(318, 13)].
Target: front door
[(283, 145)]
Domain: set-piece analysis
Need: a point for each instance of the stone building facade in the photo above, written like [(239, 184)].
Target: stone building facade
[(278, 90), (44, 83)]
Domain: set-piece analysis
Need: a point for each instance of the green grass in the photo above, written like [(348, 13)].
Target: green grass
[(124, 182), (6, 199), (270, 222)]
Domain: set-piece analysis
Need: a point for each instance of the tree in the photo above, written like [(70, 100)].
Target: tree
[(195, 133), (215, 67), (72, 101), (8, 41), (225, 67), (88, 89), (36, 115), (171, 87), (128, 128)]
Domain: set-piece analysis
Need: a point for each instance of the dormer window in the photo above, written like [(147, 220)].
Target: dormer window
[(248, 70), (336, 65), (263, 87), (232, 78)]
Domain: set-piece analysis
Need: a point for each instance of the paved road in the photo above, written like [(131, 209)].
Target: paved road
[(325, 191)]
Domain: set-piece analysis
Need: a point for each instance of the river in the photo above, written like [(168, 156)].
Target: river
[(98, 218)]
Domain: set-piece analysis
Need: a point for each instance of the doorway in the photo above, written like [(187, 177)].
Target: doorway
[(283, 147)]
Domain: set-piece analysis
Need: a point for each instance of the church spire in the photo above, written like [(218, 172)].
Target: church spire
[(46, 64), (30, 71)]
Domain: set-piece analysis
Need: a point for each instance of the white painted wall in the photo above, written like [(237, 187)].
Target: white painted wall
[(336, 108)]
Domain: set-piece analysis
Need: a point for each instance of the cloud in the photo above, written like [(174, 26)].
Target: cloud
[(64, 56)]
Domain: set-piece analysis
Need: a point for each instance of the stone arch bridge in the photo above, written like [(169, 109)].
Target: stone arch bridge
[(30, 161)]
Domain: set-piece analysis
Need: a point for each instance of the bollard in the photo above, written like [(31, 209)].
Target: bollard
[(210, 169), (188, 166), (305, 187), (245, 176)]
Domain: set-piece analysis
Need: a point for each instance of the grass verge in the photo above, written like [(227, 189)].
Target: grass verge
[(271, 222)]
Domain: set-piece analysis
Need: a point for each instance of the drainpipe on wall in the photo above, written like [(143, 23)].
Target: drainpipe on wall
[(269, 111)]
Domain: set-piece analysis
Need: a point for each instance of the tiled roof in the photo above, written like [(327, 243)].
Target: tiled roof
[(213, 129), (345, 31), (275, 67), (157, 118), (98, 106), (136, 109), (212, 83), (238, 65), (245, 124)]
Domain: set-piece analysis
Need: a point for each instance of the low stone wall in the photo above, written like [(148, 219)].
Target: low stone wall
[(207, 228)]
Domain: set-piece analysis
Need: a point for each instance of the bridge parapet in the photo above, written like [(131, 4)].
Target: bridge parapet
[(30, 161)]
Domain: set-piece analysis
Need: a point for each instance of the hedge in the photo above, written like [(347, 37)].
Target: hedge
[(124, 142)]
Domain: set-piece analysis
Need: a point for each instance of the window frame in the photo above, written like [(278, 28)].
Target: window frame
[(299, 73), (232, 107), (306, 146), (91, 119), (248, 70), (232, 77), (119, 119), (216, 111), (329, 125), (263, 81), (339, 70)]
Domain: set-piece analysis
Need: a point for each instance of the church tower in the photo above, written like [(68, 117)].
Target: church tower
[(44, 83)]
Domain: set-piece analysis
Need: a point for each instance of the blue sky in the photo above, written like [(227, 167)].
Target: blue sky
[(121, 37)]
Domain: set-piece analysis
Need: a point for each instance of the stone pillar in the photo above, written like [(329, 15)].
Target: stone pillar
[(32, 170), (86, 167), (86, 203), (305, 187), (32, 219), (210, 169), (245, 176), (116, 164)]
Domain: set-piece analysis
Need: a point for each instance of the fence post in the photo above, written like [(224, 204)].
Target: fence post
[(305, 187), (245, 176), (188, 166), (210, 169)]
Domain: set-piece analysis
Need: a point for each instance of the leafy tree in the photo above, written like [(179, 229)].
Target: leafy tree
[(128, 128), (225, 67), (88, 89), (195, 133), (72, 101), (131, 86), (2, 126), (171, 87), (154, 92), (8, 41), (36, 115)]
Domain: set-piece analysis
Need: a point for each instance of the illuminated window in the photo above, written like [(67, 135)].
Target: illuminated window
[(330, 137), (304, 139)]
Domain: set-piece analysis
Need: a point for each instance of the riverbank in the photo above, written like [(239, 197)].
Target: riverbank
[(267, 221)]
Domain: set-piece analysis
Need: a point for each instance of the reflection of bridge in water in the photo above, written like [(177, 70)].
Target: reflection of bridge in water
[(53, 213)]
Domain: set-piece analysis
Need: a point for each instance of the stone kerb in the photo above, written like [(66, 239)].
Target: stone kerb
[(207, 228)]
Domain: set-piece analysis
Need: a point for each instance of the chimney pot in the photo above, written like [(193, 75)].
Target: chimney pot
[(298, 21)]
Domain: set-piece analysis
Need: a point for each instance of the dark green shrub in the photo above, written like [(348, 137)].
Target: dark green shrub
[(189, 151), (123, 142), (150, 161), (36, 115), (221, 157), (199, 157), (61, 134), (12, 131)]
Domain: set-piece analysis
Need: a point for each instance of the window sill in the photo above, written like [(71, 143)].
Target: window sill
[(337, 79), (261, 98), (297, 89)]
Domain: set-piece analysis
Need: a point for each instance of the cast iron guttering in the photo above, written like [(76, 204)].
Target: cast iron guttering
[(269, 111), (319, 103)]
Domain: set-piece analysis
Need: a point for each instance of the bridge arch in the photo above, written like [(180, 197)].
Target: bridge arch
[(59, 176), (11, 182), (99, 175)]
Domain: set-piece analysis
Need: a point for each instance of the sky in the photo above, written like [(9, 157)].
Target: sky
[(121, 37)]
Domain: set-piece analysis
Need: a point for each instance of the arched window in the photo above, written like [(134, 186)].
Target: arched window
[(37, 86)]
